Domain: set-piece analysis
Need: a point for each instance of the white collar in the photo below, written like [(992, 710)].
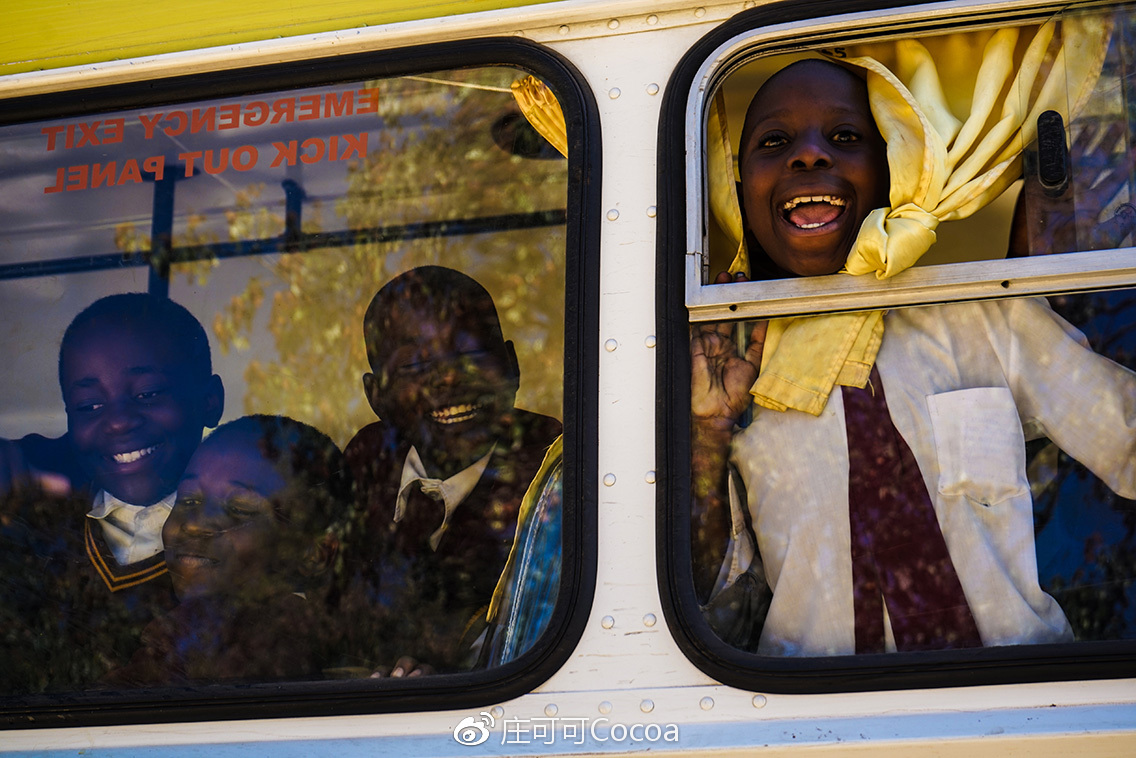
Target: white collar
[(133, 532), (450, 491)]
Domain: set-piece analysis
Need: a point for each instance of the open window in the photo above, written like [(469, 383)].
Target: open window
[(810, 406), (270, 206)]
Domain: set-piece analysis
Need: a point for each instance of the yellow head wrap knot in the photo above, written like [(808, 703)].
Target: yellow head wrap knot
[(891, 241)]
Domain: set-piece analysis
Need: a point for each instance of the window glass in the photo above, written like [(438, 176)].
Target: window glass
[(314, 358), (987, 432), (929, 478)]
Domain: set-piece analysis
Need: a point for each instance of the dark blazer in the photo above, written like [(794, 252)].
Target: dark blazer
[(70, 611), (428, 598)]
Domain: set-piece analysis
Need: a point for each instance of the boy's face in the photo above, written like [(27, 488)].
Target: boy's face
[(222, 537), (812, 166), (135, 412), (447, 385)]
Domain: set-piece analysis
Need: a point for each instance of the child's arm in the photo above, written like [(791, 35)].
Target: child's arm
[(1085, 402), (18, 469), (720, 383)]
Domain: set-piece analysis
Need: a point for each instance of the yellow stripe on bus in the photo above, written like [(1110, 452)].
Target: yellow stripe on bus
[(45, 34)]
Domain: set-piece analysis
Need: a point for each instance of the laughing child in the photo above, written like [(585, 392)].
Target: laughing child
[(244, 545), (138, 387), (442, 473), (900, 517)]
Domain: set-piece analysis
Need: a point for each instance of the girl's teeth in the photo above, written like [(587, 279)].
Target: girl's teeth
[(831, 200), (133, 456), (196, 561)]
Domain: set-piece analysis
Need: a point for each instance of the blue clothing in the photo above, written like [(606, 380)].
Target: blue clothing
[(526, 593)]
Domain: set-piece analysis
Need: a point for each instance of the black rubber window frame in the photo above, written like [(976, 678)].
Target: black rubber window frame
[(723, 662), (470, 690)]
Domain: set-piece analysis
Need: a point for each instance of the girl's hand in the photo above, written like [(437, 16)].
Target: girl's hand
[(720, 377)]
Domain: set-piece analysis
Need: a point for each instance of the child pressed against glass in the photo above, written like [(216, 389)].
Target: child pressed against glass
[(137, 383), (244, 544), (441, 474), (900, 517)]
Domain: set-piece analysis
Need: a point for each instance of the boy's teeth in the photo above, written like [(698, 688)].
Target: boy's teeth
[(455, 413), (133, 456)]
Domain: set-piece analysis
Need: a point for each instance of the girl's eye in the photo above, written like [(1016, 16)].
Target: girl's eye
[(772, 140), (243, 509), (845, 135), (187, 502), (147, 396)]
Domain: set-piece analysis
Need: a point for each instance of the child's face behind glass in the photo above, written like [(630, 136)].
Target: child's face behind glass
[(813, 165), (135, 409), (222, 538), (445, 384)]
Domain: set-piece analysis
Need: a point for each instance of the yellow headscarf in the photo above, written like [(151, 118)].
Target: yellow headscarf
[(955, 124)]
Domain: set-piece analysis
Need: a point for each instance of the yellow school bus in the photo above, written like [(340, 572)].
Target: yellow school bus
[(271, 166)]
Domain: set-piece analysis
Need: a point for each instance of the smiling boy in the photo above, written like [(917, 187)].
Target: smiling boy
[(899, 517), (137, 383), (442, 473)]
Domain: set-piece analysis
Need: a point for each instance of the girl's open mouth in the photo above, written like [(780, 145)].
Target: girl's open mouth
[(191, 560), (813, 211)]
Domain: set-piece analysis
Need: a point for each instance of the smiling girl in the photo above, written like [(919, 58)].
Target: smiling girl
[(245, 548)]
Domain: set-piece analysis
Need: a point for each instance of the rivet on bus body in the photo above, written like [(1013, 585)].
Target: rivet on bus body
[(652, 89), (497, 711), (563, 29), (550, 709), (610, 346), (759, 701), (699, 12), (647, 706), (609, 480), (605, 707), (650, 341), (612, 215), (649, 620), (650, 477), (614, 93), (652, 211), (607, 622), (706, 703), (613, 24), (652, 19)]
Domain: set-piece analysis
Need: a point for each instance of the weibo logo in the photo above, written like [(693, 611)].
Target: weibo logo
[(473, 730)]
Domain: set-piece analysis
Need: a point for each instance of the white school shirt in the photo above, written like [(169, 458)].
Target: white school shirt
[(133, 532), (966, 385), (450, 491)]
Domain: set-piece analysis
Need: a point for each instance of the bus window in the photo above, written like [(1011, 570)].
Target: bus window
[(923, 465), (282, 364)]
